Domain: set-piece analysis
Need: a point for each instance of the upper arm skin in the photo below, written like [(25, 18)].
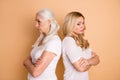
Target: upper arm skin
[(41, 64)]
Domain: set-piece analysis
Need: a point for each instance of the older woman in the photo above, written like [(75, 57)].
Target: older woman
[(46, 51)]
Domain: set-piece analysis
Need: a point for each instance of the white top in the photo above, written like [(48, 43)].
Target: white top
[(53, 45), (72, 53)]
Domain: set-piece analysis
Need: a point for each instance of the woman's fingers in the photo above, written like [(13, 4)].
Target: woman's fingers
[(84, 62)]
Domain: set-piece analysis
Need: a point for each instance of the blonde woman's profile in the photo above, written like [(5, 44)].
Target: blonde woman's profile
[(76, 53)]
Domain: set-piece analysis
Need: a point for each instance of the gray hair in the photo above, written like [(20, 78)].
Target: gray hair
[(48, 15)]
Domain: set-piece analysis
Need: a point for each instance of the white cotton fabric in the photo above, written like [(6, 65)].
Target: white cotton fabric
[(53, 45), (72, 53)]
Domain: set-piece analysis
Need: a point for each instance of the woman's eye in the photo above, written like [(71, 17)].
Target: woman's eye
[(38, 21), (78, 24)]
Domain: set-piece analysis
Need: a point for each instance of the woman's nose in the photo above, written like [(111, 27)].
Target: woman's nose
[(36, 25), (81, 26)]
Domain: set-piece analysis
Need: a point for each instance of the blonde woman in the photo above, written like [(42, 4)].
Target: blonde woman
[(77, 56), (46, 51)]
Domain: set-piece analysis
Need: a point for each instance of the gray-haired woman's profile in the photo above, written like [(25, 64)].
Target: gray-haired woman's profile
[(41, 64)]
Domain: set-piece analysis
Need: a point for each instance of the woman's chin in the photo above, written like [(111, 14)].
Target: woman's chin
[(40, 31), (81, 32)]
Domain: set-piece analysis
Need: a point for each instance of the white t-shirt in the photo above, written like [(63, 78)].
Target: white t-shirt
[(53, 45), (72, 53)]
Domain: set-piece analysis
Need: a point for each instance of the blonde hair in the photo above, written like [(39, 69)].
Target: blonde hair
[(68, 26), (54, 27)]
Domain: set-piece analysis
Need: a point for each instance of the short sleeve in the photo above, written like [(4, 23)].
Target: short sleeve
[(54, 45), (73, 51)]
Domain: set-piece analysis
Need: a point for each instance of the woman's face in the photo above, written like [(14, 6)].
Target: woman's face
[(79, 26), (42, 25)]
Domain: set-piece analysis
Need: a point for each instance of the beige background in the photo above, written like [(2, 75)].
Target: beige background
[(18, 33)]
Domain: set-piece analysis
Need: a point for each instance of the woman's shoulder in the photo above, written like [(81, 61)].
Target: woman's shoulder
[(68, 39), (55, 39)]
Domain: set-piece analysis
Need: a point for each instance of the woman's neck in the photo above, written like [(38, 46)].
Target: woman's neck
[(74, 34), (42, 39)]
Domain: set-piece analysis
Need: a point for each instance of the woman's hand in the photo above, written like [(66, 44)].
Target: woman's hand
[(27, 61), (41, 64), (82, 65), (83, 62)]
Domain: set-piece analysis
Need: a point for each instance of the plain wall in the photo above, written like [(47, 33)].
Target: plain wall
[(18, 33)]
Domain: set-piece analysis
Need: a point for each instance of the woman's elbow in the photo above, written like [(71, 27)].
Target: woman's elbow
[(35, 72), (97, 62), (80, 69)]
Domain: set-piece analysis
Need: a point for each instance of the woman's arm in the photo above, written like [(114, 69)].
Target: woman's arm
[(28, 64), (84, 64), (81, 65), (94, 60), (41, 64)]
